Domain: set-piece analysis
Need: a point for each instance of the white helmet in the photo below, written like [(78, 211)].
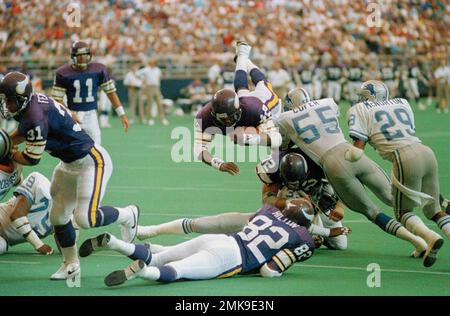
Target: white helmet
[(296, 97), (373, 90)]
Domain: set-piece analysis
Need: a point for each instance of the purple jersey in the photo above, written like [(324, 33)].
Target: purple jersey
[(46, 125), (81, 86), (252, 115), (266, 234)]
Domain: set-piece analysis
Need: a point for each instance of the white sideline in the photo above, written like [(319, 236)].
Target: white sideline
[(18, 262)]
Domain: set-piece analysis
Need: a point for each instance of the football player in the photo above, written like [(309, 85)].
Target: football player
[(25, 217), (334, 80), (411, 78), (296, 177), (79, 180), (314, 128), (389, 75), (80, 82), (269, 244), (230, 112), (354, 79), (304, 77), (388, 125)]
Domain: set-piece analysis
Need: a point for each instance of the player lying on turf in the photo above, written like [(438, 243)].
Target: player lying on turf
[(270, 243), (295, 178), (314, 127), (232, 113), (25, 217), (388, 125)]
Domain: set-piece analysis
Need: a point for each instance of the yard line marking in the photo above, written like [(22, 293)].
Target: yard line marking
[(365, 269), (116, 188), (18, 262)]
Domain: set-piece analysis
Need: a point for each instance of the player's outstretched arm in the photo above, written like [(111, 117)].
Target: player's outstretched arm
[(20, 223), (201, 150), (218, 163), (117, 105)]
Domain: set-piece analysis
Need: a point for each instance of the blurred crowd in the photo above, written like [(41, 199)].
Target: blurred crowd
[(308, 42), (202, 30)]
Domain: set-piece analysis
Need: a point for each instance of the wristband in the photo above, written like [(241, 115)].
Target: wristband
[(216, 163), (120, 111)]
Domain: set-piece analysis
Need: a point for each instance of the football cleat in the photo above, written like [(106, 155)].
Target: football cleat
[(431, 254), (94, 244), (129, 230), (129, 273), (66, 271), (243, 49)]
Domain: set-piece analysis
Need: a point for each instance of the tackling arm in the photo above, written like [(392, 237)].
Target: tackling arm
[(269, 196), (21, 224)]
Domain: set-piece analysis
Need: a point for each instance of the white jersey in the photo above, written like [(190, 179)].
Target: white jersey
[(36, 188), (9, 178), (313, 127), (386, 125)]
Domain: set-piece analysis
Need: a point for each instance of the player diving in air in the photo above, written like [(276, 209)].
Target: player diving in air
[(230, 112)]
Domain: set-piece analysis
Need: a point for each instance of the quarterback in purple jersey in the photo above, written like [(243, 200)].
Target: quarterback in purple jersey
[(79, 180), (80, 82), (231, 112), (269, 244)]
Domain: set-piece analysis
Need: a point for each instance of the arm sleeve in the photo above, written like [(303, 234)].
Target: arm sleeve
[(35, 142), (357, 123), (28, 187), (58, 90), (106, 83), (284, 259)]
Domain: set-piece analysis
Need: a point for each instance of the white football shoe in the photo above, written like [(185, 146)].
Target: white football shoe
[(129, 273), (243, 49), (129, 229), (67, 271)]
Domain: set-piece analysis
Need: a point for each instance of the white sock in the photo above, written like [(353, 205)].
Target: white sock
[(70, 254), (417, 241), (150, 273), (177, 227), (241, 63), (444, 225), (416, 226), (120, 246), (250, 65)]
